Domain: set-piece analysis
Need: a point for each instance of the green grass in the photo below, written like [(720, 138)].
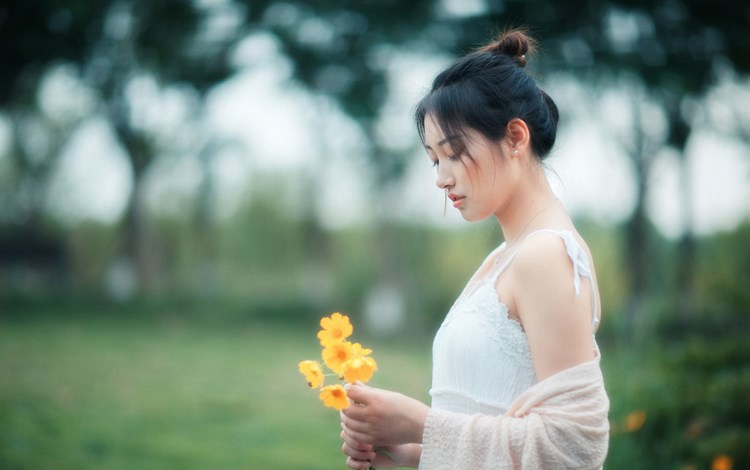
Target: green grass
[(125, 394)]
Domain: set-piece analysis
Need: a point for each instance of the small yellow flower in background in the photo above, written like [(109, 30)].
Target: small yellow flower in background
[(336, 328), (312, 372), (359, 368), (722, 462), (635, 421), (348, 361), (336, 354), (334, 396)]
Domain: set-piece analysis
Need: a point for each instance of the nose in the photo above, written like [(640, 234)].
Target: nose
[(444, 179)]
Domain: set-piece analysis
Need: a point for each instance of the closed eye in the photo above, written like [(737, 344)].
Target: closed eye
[(452, 158)]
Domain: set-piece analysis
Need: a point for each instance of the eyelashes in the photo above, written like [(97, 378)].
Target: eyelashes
[(452, 158)]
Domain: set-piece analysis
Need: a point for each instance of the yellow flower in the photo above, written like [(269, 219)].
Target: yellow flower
[(350, 361), (334, 396), (722, 462), (359, 368), (635, 421), (313, 373), (336, 329), (360, 351), (336, 354)]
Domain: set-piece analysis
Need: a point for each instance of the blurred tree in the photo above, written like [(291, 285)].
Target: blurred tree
[(641, 138), (37, 34), (342, 49), (114, 44), (37, 37), (175, 42)]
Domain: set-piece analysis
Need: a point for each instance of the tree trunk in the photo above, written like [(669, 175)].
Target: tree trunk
[(139, 250), (686, 248), (685, 263), (637, 244), (638, 256)]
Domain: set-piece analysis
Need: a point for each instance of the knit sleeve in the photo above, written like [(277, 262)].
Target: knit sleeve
[(560, 423)]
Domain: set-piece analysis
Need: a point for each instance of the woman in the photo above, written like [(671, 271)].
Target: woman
[(516, 377)]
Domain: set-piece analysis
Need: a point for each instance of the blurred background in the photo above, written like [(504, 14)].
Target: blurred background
[(186, 187)]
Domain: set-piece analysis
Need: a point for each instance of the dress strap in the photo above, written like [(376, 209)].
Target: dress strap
[(581, 266)]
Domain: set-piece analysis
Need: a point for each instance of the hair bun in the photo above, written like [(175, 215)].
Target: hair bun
[(514, 43)]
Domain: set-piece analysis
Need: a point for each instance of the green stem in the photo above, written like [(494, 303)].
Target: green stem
[(387, 454)]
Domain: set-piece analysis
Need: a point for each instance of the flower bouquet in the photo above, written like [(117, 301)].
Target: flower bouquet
[(347, 361)]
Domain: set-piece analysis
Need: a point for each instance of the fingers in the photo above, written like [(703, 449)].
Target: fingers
[(357, 432), (357, 464), (355, 449), (358, 393), (350, 439), (354, 421), (359, 455), (356, 412)]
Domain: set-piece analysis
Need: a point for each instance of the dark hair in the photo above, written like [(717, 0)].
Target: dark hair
[(485, 90)]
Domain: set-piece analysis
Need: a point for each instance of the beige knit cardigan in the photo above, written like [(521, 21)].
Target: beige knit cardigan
[(559, 423)]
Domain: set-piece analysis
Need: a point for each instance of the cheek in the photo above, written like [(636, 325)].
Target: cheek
[(495, 192)]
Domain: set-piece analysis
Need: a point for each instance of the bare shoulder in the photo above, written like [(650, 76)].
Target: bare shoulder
[(541, 255), (554, 257)]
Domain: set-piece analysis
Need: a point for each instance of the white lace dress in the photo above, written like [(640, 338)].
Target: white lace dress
[(481, 357)]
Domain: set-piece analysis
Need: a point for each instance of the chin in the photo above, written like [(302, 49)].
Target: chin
[(469, 217)]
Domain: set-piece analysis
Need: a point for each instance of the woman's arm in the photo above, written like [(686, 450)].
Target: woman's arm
[(557, 321)]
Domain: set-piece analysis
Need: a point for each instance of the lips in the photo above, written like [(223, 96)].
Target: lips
[(457, 200)]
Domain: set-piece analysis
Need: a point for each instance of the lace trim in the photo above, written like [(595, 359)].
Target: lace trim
[(487, 308)]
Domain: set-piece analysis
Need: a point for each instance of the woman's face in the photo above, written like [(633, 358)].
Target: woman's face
[(479, 186)]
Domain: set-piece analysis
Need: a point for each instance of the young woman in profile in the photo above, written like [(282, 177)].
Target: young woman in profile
[(516, 377)]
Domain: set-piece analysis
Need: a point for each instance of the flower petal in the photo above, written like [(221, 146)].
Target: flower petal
[(359, 369), (335, 328), (334, 396), (313, 373), (336, 354)]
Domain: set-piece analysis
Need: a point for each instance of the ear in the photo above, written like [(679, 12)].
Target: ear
[(519, 135)]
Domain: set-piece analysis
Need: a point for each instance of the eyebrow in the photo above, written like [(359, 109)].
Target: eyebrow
[(450, 138)]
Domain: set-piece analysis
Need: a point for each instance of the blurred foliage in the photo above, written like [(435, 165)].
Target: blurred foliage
[(683, 402), (725, 283), (695, 407)]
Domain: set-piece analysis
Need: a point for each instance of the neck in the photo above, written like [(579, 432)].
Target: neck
[(527, 208)]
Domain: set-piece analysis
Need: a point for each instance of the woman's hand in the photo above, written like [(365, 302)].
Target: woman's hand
[(379, 418), (362, 456)]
